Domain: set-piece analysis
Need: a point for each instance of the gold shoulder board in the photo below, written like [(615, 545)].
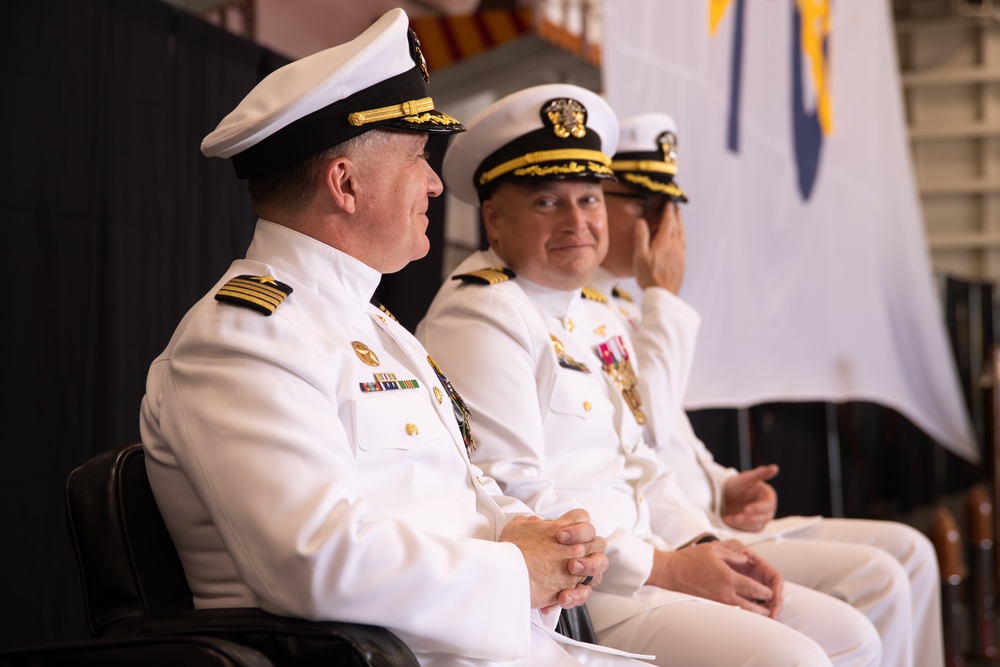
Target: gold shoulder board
[(488, 276), (593, 295), (261, 293), (383, 309), (619, 293)]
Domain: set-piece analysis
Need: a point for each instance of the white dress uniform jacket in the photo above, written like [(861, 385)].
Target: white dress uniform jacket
[(668, 340), (885, 569), (309, 463), (547, 426), (556, 431)]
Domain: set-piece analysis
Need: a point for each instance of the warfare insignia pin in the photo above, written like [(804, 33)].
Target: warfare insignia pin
[(565, 360), (364, 353), (566, 116), (261, 293)]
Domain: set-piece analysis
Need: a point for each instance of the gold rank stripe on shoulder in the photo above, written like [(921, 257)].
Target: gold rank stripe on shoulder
[(261, 293), (488, 276), (593, 295), (383, 309), (619, 293)]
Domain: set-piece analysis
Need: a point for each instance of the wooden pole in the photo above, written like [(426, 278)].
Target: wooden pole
[(979, 513), (943, 532), (995, 471)]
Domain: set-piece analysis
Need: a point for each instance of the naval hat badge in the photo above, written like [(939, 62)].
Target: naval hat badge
[(418, 55), (668, 144), (566, 116)]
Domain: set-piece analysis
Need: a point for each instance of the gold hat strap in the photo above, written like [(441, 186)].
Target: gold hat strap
[(544, 156), (644, 165), (408, 108), (671, 189)]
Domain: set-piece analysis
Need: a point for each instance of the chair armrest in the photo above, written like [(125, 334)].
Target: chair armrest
[(190, 651), (284, 640)]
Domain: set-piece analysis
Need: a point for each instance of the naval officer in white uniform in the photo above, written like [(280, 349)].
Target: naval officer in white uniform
[(549, 374), (307, 455), (886, 569)]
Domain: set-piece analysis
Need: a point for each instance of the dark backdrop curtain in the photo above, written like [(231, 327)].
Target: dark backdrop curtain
[(115, 224)]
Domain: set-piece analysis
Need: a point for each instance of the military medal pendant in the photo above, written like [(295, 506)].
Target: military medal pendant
[(462, 412), (616, 363)]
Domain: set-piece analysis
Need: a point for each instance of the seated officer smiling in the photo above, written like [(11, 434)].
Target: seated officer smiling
[(302, 447), (550, 376)]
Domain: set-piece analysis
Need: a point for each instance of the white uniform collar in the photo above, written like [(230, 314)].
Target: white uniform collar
[(550, 301), (294, 253)]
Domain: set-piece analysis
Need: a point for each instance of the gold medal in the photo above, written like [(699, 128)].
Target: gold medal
[(617, 364)]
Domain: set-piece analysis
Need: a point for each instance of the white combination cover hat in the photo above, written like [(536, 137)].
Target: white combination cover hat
[(647, 155), (547, 132), (378, 79)]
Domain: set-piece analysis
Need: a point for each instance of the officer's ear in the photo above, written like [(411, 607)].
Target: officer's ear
[(491, 220), (340, 178)]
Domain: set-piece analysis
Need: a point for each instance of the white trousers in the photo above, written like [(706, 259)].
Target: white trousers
[(544, 652), (887, 570), (812, 629)]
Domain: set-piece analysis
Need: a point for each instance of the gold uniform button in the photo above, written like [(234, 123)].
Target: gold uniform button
[(411, 429), (587, 406)]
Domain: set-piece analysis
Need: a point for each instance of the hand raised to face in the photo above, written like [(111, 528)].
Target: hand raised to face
[(660, 250)]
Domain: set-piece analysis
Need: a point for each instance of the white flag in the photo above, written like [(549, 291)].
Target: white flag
[(806, 250)]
